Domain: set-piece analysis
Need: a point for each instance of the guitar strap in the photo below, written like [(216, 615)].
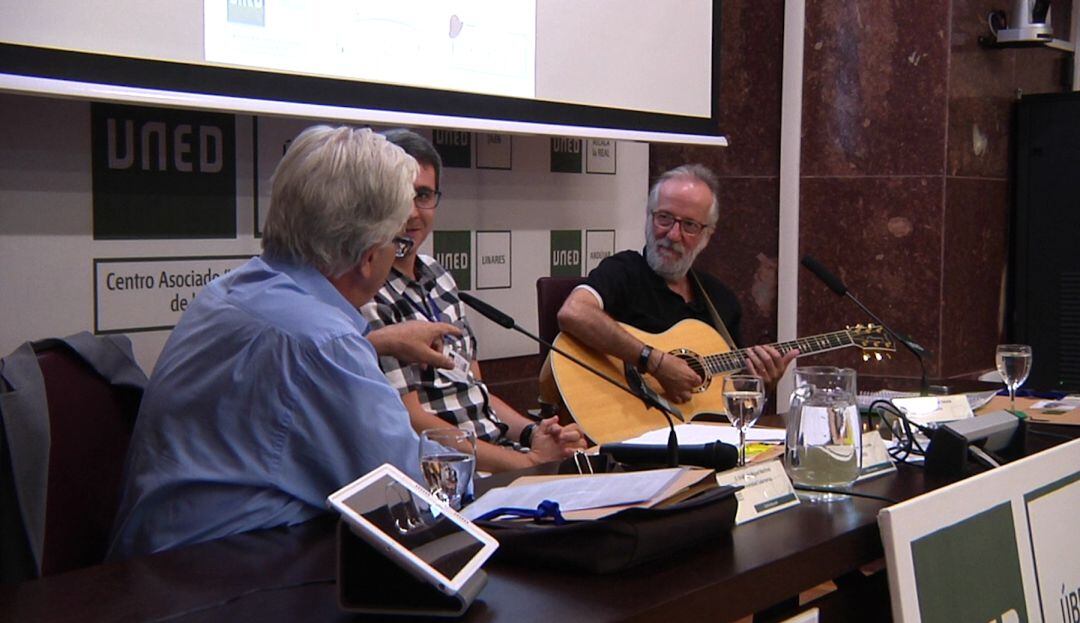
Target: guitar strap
[(718, 322)]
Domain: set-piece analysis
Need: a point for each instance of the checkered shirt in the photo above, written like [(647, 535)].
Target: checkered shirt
[(464, 404)]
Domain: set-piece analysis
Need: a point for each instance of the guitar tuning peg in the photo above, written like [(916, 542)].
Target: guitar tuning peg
[(878, 355), (866, 356)]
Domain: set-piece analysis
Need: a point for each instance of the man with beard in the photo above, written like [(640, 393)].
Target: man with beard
[(655, 290)]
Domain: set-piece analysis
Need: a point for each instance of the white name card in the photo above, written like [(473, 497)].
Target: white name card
[(766, 489), (875, 457)]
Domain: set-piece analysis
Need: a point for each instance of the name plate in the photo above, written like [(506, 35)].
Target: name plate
[(875, 457), (932, 409), (766, 489)]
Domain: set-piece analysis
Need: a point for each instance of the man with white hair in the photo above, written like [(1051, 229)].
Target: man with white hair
[(654, 290), (268, 394)]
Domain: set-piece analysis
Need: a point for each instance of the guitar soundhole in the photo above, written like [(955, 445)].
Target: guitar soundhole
[(696, 364)]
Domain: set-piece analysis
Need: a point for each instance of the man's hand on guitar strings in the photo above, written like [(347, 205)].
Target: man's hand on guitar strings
[(768, 363), (677, 379)]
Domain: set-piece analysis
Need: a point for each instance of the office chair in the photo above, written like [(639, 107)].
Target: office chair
[(551, 292), (67, 412), (90, 423)]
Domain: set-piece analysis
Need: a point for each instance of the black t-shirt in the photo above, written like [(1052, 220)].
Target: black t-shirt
[(635, 295)]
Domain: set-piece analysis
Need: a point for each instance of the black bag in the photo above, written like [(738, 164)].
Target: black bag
[(620, 541)]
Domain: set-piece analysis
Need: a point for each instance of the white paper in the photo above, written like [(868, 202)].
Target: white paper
[(975, 399), (578, 493), (1061, 406), (692, 434)]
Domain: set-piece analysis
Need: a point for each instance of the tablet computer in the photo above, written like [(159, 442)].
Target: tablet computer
[(402, 519)]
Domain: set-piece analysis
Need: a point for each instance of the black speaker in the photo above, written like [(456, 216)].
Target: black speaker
[(1045, 280)]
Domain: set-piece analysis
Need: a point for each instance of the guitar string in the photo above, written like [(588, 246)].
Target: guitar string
[(736, 359)]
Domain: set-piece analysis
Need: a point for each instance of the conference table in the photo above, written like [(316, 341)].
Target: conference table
[(288, 574)]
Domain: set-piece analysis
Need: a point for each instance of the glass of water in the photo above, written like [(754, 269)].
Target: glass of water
[(1014, 365), (448, 461), (744, 397)]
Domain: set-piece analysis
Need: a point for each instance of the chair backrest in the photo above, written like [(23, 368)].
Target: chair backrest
[(550, 294), (90, 424)]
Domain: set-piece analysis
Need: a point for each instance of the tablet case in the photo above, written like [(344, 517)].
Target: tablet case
[(372, 583)]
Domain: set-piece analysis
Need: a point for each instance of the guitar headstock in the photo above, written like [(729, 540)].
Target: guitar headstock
[(873, 340)]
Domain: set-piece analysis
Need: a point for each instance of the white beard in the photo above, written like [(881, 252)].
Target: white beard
[(670, 270)]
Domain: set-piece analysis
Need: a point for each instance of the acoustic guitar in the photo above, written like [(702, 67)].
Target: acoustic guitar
[(607, 414)]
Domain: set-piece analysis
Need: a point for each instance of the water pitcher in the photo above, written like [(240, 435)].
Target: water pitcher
[(824, 436)]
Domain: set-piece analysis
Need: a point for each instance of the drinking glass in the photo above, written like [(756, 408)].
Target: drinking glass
[(1014, 365), (744, 397), (448, 460)]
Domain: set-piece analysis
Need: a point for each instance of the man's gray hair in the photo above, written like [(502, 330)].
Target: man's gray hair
[(337, 193), (699, 172)]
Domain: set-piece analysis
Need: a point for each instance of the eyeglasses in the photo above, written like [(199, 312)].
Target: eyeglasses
[(427, 198), (667, 221), (402, 246)]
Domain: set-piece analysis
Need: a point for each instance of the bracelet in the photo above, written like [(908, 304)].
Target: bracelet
[(526, 435), (659, 362), (643, 359)]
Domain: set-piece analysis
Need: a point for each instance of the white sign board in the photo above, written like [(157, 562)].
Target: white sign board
[(999, 546), (149, 294), (599, 243), (493, 259)]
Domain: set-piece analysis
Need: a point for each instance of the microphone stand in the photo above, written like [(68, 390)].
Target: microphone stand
[(653, 400), (837, 286), (637, 388)]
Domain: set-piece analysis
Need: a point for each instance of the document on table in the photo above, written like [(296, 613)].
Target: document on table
[(691, 434), (578, 493)]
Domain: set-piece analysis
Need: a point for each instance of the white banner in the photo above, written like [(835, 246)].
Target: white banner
[(149, 294)]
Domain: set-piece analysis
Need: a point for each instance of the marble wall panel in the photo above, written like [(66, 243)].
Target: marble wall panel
[(874, 87), (743, 251), (882, 236), (981, 92), (975, 258)]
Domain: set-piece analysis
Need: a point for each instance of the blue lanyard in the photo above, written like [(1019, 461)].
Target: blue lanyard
[(547, 509), (434, 315)]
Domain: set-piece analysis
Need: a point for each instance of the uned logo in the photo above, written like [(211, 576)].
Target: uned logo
[(251, 12), (159, 147), (161, 173)]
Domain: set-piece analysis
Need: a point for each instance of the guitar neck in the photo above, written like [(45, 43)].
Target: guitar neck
[(736, 359)]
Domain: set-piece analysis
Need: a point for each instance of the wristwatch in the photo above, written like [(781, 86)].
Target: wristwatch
[(643, 359), (526, 435)]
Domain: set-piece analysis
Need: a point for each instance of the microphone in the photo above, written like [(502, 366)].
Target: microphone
[(837, 286), (489, 312), (639, 389), (716, 455), (823, 274)]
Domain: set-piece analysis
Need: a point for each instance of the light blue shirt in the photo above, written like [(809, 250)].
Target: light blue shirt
[(266, 398)]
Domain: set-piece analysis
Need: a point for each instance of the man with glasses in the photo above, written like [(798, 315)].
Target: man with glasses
[(656, 289), (268, 395), (418, 288)]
